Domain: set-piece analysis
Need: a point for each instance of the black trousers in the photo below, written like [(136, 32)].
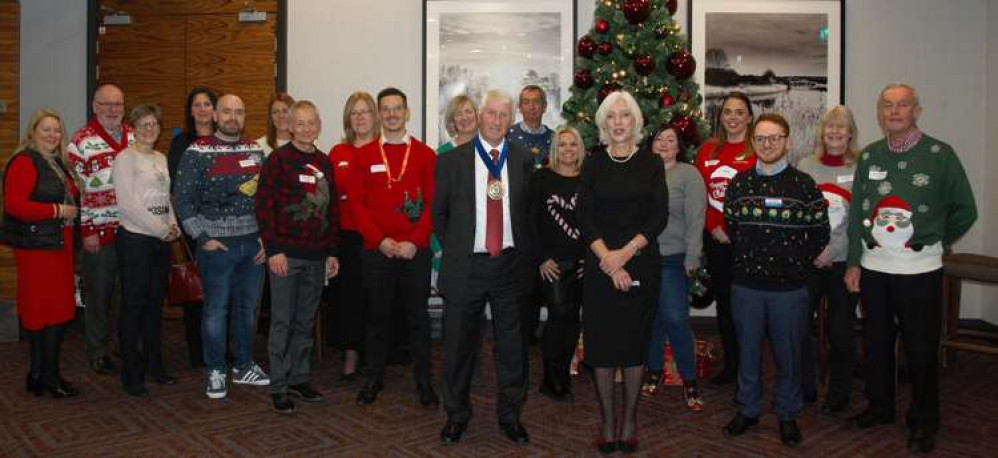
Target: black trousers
[(347, 297), (561, 332), (492, 280), (839, 327), (719, 264), (144, 263), (914, 301), (384, 279)]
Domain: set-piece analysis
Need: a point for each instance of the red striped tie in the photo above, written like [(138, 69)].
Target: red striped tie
[(493, 217)]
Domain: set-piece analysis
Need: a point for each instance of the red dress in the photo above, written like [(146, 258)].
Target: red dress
[(45, 278)]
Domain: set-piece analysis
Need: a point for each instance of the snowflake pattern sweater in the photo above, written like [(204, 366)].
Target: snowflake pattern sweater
[(778, 225), (539, 143), (91, 152), (907, 206), (215, 188)]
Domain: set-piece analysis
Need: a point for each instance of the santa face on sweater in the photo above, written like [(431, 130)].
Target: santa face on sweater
[(892, 228)]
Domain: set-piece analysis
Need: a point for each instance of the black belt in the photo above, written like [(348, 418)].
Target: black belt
[(505, 251)]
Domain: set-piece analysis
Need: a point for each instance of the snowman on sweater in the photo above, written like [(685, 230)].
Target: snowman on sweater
[(891, 226)]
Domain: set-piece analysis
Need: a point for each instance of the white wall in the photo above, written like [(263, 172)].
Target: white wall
[(54, 59), (947, 50)]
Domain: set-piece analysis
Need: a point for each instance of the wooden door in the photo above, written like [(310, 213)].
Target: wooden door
[(10, 120), (172, 46)]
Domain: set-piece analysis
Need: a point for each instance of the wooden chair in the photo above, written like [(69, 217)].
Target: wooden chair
[(957, 268)]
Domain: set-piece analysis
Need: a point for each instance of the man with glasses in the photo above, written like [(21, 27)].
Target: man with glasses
[(393, 188), (911, 200), (778, 224), (91, 152)]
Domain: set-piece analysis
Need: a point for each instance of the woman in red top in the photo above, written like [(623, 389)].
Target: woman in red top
[(719, 160), (40, 208), (360, 127)]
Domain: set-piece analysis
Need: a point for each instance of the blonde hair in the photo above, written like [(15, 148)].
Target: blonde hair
[(28, 139), (553, 160), (455, 104), (837, 113), (632, 106), (360, 96)]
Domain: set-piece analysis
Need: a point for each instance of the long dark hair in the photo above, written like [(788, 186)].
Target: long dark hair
[(722, 135), (190, 130)]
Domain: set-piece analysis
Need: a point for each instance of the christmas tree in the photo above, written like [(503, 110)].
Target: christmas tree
[(636, 46)]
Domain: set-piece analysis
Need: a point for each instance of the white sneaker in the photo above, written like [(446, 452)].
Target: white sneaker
[(215, 388), (254, 375)]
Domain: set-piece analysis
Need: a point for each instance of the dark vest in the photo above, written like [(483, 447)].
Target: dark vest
[(38, 235)]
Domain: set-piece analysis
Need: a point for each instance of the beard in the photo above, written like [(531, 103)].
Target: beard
[(230, 128)]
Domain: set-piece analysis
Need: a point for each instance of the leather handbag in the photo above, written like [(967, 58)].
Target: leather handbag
[(185, 279), (566, 290)]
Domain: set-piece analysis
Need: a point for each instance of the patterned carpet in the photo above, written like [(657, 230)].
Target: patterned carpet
[(179, 420)]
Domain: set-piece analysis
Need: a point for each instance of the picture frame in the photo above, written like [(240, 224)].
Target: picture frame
[(468, 49), (787, 56)]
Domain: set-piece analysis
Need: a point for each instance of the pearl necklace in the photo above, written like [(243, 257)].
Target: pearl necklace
[(634, 149)]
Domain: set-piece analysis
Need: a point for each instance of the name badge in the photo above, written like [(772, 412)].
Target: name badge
[(772, 202), (878, 175), (711, 163), (246, 163), (635, 282), (306, 179), (342, 164), (843, 179), (378, 168)]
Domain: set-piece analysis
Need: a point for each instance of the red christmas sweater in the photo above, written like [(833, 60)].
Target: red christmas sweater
[(393, 199), (717, 174), (343, 157), (91, 152)]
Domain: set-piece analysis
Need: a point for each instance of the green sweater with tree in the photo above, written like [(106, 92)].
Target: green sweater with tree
[(907, 206)]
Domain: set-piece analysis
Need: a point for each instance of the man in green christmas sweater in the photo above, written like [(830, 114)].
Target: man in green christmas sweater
[(911, 198)]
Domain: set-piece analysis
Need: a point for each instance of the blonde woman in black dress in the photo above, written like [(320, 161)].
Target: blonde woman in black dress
[(623, 204)]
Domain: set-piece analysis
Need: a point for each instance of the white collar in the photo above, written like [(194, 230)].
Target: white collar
[(488, 146), (404, 140)]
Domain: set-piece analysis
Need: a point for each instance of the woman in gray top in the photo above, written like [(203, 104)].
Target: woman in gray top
[(680, 246)]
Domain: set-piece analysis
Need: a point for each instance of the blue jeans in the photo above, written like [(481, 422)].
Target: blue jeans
[(672, 320), (231, 282), (784, 316)]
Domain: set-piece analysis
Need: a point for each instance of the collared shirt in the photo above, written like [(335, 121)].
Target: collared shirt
[(908, 141), (405, 139), (777, 167), (541, 128), (481, 200)]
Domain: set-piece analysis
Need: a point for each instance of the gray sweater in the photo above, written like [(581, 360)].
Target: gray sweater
[(687, 204), (835, 183)]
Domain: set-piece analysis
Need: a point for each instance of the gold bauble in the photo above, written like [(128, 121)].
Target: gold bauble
[(674, 28)]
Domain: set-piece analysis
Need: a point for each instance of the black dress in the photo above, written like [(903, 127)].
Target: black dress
[(616, 202)]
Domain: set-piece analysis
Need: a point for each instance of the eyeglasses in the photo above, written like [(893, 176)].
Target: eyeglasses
[(360, 112), (393, 109), (147, 125), (768, 140), (111, 104)]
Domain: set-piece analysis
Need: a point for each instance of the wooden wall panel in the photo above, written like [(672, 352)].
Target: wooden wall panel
[(186, 7), (10, 123), (235, 57), (146, 60)]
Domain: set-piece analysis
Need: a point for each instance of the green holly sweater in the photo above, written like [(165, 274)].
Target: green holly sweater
[(907, 206)]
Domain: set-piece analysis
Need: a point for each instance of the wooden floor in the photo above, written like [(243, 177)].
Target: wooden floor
[(180, 421)]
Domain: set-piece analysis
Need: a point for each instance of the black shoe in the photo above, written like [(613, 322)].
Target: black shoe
[(33, 384), (725, 377), (790, 433), (868, 419), (921, 441), (515, 433), (283, 403), (452, 432), (102, 366), (369, 393), (136, 391), (305, 392), (738, 425), (427, 397), (810, 397), (165, 379), (833, 407), (61, 390), (351, 377)]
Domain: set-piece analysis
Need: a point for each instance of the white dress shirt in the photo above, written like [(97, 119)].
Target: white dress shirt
[(481, 200)]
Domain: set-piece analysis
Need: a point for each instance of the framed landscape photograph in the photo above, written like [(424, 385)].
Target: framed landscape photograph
[(785, 55), (473, 46)]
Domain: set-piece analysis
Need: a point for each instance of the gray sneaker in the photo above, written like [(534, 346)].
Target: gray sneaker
[(253, 375), (215, 388)]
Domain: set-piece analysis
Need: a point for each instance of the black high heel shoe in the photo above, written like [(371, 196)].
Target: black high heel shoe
[(33, 384), (62, 390)]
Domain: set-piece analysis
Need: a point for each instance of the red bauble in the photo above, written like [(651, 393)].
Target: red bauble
[(606, 90), (602, 26), (671, 5), (583, 79), (604, 48), (681, 65), (686, 127), (636, 11), (667, 100), (586, 46), (644, 65)]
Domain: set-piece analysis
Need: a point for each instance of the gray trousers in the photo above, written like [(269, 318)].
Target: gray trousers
[(294, 299), (100, 276)]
